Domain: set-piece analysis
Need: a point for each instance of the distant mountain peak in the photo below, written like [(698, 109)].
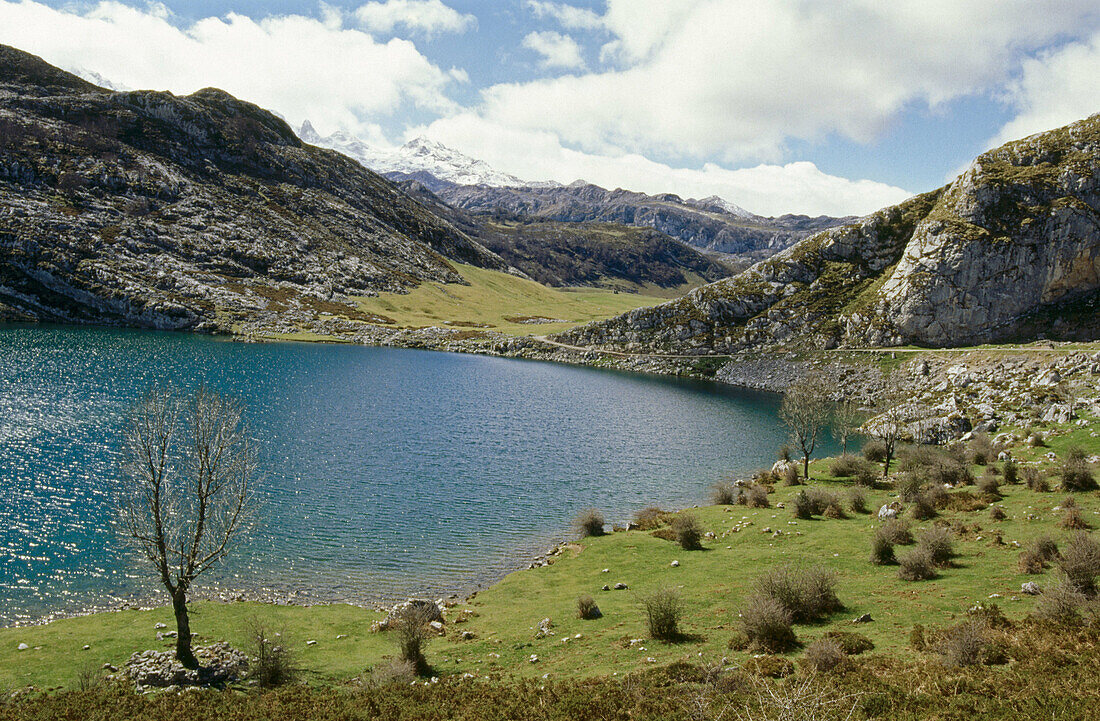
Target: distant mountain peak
[(309, 134)]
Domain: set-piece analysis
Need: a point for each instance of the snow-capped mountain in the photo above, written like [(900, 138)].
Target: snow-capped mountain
[(416, 156), (723, 205)]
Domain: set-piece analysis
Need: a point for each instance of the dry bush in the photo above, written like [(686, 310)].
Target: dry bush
[(815, 502), (882, 550), (806, 698), (766, 625), (689, 531), (395, 672), (921, 508), (1039, 554), (850, 465), (791, 476), (663, 611), (850, 642), (938, 543), (801, 506), (271, 660), (896, 531), (909, 485), (1080, 562), (989, 484), (650, 518), (1011, 472), (916, 565), (754, 496), (412, 632), (724, 493), (964, 644), (857, 501), (1061, 602), (589, 522), (980, 450), (1073, 520), (1037, 439), (1075, 472), (874, 451), (587, 608), (825, 656), (1035, 480), (808, 594), (997, 513)]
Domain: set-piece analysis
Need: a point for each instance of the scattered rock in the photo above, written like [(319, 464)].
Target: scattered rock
[(1030, 588), (675, 564), (606, 588), (865, 618), (220, 664), (22, 647), (620, 586), (542, 629)]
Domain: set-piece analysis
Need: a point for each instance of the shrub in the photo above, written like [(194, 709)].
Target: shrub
[(937, 543), (874, 451), (1080, 562), (996, 513), (1038, 555), (1046, 548), (395, 672), (908, 485), (916, 566), (766, 624), (589, 522), (784, 453), (724, 493), (271, 661), (851, 466), (650, 518), (825, 656), (989, 484), (689, 532), (755, 496), (857, 501), (934, 465), (1035, 480), (587, 608), (1061, 602), (808, 594), (981, 450), (801, 506), (896, 531), (1076, 473), (1037, 439), (851, 643), (791, 476), (663, 611), (412, 633), (1030, 562), (882, 550), (921, 508), (1072, 519), (964, 644), (1011, 472)]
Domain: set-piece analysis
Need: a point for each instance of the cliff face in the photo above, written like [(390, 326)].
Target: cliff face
[(1015, 237), (144, 208)]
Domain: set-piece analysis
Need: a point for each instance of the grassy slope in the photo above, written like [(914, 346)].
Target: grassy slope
[(713, 583), (492, 296)]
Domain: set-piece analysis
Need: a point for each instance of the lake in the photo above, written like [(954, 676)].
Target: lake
[(386, 472)]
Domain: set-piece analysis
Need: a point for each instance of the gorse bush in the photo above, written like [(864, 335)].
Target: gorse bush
[(938, 544), (766, 624), (271, 660), (825, 656), (815, 502), (852, 466), (1072, 519), (1075, 472), (857, 501), (874, 451), (689, 532), (754, 496), (1038, 555), (587, 608), (790, 475), (648, 519), (989, 484), (851, 643), (1061, 602), (1080, 562), (589, 522), (724, 493), (1035, 480), (809, 593), (882, 549), (1011, 472), (663, 610), (916, 565), (921, 507), (964, 644), (896, 530)]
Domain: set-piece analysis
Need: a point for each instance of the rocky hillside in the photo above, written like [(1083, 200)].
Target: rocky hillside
[(710, 224), (144, 208), (581, 254), (1013, 241)]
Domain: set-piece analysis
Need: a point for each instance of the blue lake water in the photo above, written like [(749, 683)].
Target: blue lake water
[(386, 472)]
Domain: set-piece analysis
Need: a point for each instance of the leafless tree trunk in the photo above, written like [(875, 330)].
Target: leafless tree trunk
[(187, 490), (846, 418), (805, 411), (890, 427)]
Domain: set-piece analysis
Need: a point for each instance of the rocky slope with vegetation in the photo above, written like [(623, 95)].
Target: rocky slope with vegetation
[(710, 224), (147, 209), (1014, 240)]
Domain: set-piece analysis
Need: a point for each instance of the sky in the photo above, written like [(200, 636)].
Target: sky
[(805, 106)]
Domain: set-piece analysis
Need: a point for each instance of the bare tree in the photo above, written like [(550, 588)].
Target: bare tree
[(187, 490), (846, 418), (805, 412), (891, 425)]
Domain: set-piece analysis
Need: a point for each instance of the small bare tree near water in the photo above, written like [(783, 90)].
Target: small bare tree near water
[(805, 412), (187, 490)]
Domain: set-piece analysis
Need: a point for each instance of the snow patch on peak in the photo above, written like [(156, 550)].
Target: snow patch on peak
[(418, 155), (716, 203)]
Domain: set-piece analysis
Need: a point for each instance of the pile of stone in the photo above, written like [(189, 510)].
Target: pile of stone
[(219, 664), (433, 612)]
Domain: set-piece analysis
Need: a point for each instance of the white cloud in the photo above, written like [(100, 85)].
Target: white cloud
[(737, 79), (300, 66), (425, 16), (798, 187), (568, 16), (557, 50), (1054, 89)]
